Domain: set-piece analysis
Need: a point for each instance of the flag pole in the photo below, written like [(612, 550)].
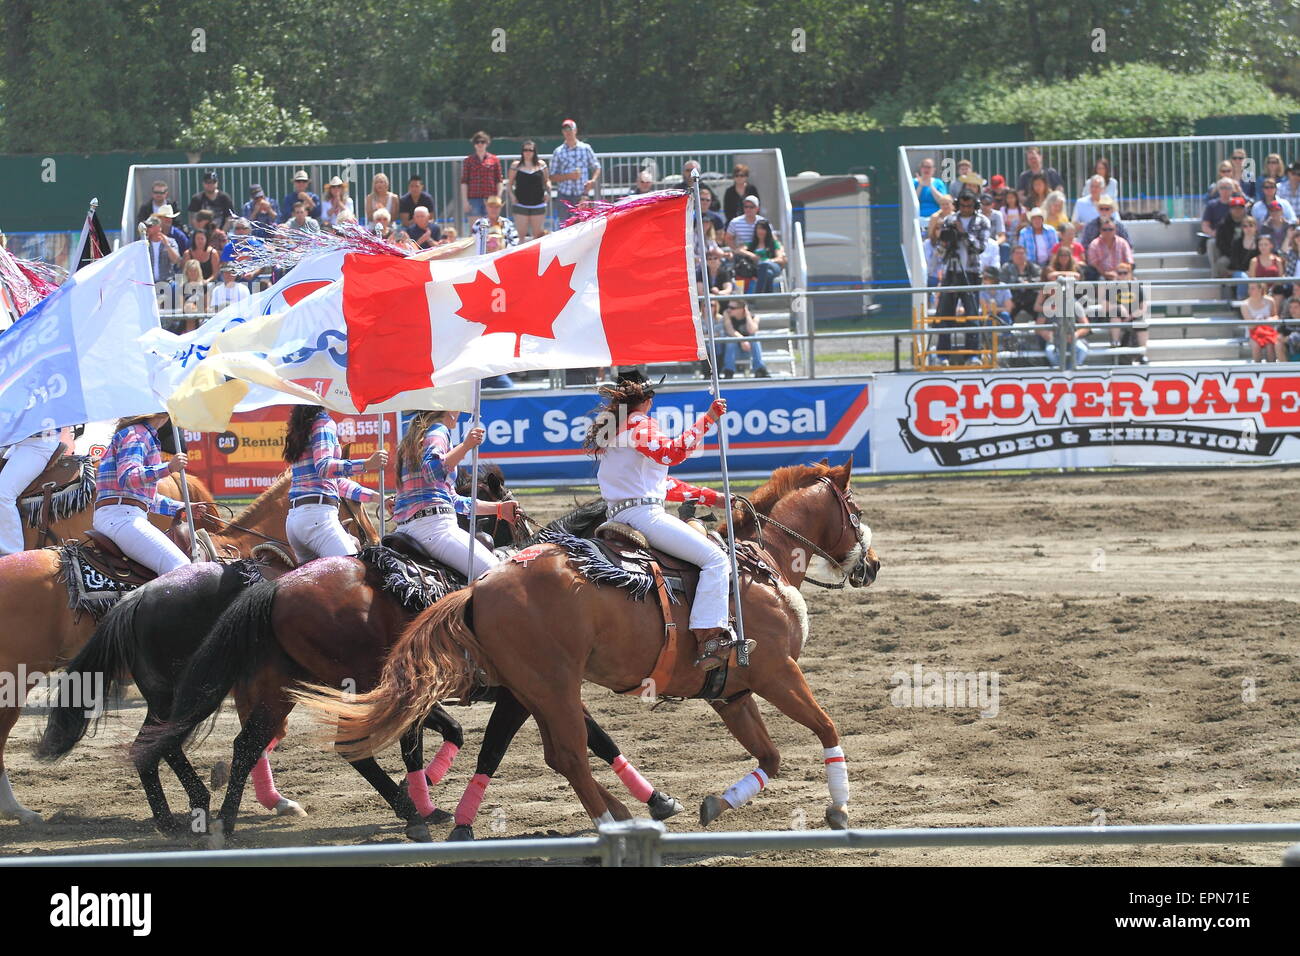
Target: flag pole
[(185, 493), (473, 452), (742, 649), (383, 520), (74, 259)]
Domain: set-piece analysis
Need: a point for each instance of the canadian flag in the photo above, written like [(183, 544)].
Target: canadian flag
[(614, 289)]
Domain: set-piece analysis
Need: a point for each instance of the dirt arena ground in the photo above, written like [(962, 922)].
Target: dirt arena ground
[(1142, 628)]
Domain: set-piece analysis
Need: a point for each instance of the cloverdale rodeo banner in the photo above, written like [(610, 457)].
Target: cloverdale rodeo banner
[(1086, 419)]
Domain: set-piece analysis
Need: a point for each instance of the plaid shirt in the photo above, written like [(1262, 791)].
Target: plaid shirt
[(482, 176), (132, 468), (324, 470), (431, 484), (576, 158)]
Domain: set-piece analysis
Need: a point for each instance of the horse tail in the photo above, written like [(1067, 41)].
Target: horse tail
[(110, 652), (234, 650), (427, 665)]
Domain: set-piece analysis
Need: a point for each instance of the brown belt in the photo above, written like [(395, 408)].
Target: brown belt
[(104, 502), (314, 500)]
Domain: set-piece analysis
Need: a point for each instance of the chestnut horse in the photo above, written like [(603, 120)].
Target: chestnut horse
[(332, 621), (40, 633), (505, 625)]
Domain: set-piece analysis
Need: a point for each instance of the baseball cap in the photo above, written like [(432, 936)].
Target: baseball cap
[(256, 191), (1274, 205), (986, 197), (998, 181), (210, 176), (1037, 212), (749, 200), (568, 122), (1237, 201)]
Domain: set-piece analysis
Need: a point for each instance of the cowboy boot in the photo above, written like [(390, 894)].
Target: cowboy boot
[(714, 644)]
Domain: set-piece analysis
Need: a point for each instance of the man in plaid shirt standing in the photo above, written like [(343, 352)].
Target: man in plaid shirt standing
[(574, 169), (480, 176)]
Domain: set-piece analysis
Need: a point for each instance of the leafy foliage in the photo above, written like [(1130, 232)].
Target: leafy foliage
[(247, 115)]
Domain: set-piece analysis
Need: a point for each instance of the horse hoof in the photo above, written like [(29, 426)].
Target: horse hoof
[(662, 806), (24, 816), (220, 774), (837, 818), (289, 808), (438, 816), (169, 824), (217, 835), (712, 808), (462, 833), (418, 833)]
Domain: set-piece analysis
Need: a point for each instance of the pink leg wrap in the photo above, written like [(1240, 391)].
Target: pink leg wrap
[(417, 788), (441, 762), (467, 809), (263, 784), (636, 784)]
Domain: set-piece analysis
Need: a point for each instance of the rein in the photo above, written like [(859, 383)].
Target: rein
[(847, 518)]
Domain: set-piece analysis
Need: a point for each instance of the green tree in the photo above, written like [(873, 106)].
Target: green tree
[(247, 115)]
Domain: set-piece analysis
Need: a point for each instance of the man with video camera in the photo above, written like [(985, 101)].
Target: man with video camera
[(963, 235)]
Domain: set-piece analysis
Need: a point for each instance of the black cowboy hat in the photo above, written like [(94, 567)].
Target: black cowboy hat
[(636, 377)]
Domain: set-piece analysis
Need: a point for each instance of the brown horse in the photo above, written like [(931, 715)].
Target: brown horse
[(40, 633), (505, 624)]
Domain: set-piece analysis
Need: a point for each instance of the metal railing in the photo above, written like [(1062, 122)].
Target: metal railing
[(646, 843), (441, 178)]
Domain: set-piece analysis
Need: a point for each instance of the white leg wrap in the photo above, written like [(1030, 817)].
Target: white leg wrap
[(9, 805), (605, 817), (745, 789), (837, 776)]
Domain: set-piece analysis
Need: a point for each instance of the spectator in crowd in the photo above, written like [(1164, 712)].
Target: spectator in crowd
[(1217, 208), (301, 193), (574, 169), (1234, 242), (1267, 264), (998, 187), (203, 223), (997, 229), (1068, 238), (1055, 210), (300, 219), (381, 223), (1038, 238), (449, 234), (1267, 195), (1013, 213), (995, 304), (208, 258), (1108, 186), (1243, 171), (1108, 250), (723, 283), (415, 196), (157, 198), (1266, 344), (740, 231), (1290, 329), (164, 256), (229, 292), (928, 189), (962, 239), (382, 197), (710, 209), (480, 177), (766, 254), (1038, 191), (530, 185), (1131, 305), (212, 198), (423, 231), (1274, 168), (1034, 166), (645, 182), (714, 254), (494, 220), (1062, 265), (740, 189), (495, 241), (1225, 172), (1290, 248), (1085, 208), (740, 323), (1047, 319), (1106, 213), (1022, 271), (261, 209), (337, 203), (946, 206), (194, 291), (1289, 188), (169, 227), (966, 176)]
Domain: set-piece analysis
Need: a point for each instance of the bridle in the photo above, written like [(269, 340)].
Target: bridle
[(850, 517)]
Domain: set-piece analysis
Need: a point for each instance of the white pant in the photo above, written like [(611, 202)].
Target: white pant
[(27, 459), (140, 541), (669, 533), (316, 532), (447, 542)]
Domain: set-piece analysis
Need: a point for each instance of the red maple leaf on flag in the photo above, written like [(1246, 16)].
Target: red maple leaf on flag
[(522, 301)]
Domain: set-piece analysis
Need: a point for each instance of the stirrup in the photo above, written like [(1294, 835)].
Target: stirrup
[(716, 649)]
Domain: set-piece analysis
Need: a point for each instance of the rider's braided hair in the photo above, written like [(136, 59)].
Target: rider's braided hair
[(298, 432), (630, 391)]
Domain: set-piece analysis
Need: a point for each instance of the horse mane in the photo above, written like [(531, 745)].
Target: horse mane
[(253, 512), (580, 522), (783, 482)]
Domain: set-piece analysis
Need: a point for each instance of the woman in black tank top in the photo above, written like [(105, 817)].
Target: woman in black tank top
[(530, 185)]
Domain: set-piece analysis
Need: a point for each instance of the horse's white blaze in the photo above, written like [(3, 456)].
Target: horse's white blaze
[(792, 597), (826, 572)]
